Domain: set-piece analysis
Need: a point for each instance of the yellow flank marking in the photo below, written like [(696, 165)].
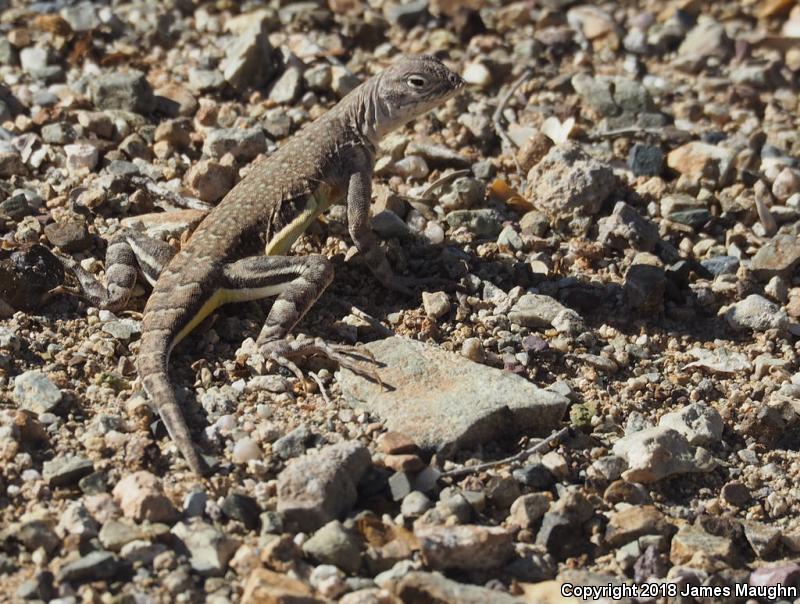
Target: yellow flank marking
[(226, 296), (316, 203), (214, 302)]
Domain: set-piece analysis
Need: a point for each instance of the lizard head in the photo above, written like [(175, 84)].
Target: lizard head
[(410, 87)]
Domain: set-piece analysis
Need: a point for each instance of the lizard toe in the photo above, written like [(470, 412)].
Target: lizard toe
[(346, 357)]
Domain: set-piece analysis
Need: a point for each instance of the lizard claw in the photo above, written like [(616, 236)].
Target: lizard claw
[(282, 352)]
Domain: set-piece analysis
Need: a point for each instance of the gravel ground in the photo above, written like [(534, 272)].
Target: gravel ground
[(606, 394)]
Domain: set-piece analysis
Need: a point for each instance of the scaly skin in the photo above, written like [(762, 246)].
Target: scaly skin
[(223, 260)]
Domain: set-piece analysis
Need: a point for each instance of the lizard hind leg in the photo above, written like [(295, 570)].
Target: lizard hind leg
[(129, 252), (298, 283)]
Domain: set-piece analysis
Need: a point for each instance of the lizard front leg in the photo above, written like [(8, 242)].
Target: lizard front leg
[(129, 252), (359, 194), (298, 282)]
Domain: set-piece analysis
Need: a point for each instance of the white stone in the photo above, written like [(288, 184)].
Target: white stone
[(434, 232), (699, 423), (786, 184), (436, 304), (246, 449), (656, 453), (477, 74), (33, 58)]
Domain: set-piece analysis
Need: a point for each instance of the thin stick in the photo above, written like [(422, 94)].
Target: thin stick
[(373, 322), (497, 118), (633, 131), (538, 447), (442, 181)]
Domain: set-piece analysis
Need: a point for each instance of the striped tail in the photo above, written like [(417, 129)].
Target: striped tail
[(152, 361)]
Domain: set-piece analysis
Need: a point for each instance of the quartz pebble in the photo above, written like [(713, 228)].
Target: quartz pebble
[(246, 450), (477, 74), (655, 453), (436, 304)]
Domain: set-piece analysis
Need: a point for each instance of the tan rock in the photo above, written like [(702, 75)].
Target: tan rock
[(436, 304), (210, 180), (465, 547), (569, 181), (772, 8), (527, 510), (268, 587), (786, 184), (793, 306), (655, 453), (176, 132), (174, 99), (593, 22), (165, 224), (697, 160), (404, 463), (369, 596), (419, 587), (692, 540), (141, 497), (533, 150), (546, 592), (281, 554), (631, 523), (395, 443)]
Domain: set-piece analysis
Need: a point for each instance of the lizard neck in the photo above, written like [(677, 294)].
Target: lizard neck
[(368, 115)]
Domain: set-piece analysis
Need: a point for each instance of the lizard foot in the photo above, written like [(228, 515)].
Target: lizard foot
[(87, 288), (283, 352)]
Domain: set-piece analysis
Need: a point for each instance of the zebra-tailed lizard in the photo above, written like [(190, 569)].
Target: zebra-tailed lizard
[(238, 252)]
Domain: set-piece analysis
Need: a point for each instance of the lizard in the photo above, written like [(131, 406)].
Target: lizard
[(239, 251)]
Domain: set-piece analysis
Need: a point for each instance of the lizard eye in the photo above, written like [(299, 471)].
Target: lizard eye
[(416, 82)]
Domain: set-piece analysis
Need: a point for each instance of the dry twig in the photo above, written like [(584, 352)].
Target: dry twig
[(373, 322), (449, 177), (498, 119), (538, 447)]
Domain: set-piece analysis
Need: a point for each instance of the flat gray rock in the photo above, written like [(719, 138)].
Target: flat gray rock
[(756, 313), (209, 550), (443, 401), (36, 392), (95, 566), (317, 488), (779, 256), (64, 471)]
